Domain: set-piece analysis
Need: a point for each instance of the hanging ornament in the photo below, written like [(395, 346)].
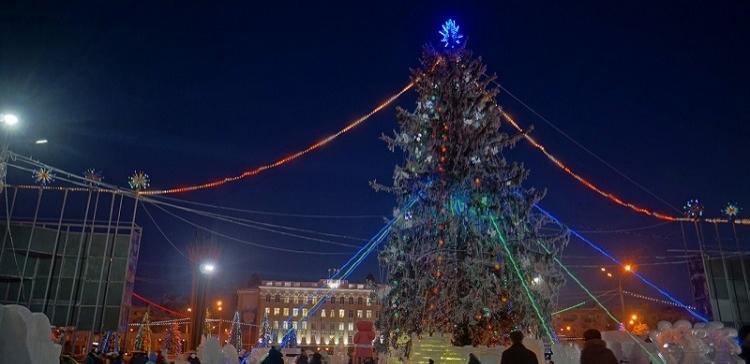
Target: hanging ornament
[(92, 175), (731, 210), (43, 176), (139, 181), (693, 209)]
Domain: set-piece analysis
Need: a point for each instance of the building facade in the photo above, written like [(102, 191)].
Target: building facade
[(80, 276), (324, 313)]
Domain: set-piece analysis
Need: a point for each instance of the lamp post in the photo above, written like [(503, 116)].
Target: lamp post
[(8, 121), (202, 274), (627, 268)]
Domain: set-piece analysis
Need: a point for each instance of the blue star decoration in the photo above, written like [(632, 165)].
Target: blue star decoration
[(451, 36)]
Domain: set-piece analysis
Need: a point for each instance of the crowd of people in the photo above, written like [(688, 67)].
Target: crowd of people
[(594, 351)]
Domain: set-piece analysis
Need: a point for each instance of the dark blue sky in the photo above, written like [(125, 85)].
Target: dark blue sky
[(192, 92)]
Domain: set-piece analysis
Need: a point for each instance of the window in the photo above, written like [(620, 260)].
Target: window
[(333, 327), (276, 311), (304, 325), (268, 298), (295, 312), (377, 314), (341, 313), (351, 313), (286, 311), (368, 314), (275, 324), (294, 325), (285, 324), (287, 284), (351, 326), (369, 302), (322, 313), (277, 299), (333, 299), (310, 299), (312, 326), (350, 339), (304, 312), (341, 300), (351, 300), (360, 301), (286, 299), (331, 313), (268, 310), (359, 313), (341, 326)]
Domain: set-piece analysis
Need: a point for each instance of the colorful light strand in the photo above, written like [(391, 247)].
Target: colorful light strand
[(285, 160), (608, 195), (652, 299)]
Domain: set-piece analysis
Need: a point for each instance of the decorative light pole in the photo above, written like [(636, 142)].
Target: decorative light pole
[(201, 277), (7, 122)]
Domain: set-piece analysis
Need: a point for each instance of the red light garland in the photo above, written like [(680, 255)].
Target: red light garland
[(282, 161), (610, 196)]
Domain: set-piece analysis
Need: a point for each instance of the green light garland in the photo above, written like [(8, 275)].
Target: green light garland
[(534, 305)]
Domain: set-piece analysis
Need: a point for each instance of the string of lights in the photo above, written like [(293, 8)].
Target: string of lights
[(284, 160), (608, 195), (652, 299)]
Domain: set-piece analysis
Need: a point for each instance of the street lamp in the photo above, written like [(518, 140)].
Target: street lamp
[(9, 119), (627, 268), (207, 268)]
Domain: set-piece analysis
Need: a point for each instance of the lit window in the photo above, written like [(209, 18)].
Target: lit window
[(286, 311), (285, 324), (304, 325), (286, 299), (351, 326), (359, 313), (295, 312), (276, 311), (310, 299), (331, 313), (369, 302), (275, 324), (268, 310), (341, 326), (342, 313), (294, 325), (304, 312), (322, 313), (368, 314)]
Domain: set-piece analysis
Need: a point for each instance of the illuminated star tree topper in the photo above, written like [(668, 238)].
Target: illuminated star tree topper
[(451, 36)]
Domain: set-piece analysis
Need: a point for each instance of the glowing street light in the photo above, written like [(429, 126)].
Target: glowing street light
[(207, 268), (41, 141), (9, 119), (628, 267), (218, 303), (189, 309)]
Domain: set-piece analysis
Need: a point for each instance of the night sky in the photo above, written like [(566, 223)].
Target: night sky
[(189, 93)]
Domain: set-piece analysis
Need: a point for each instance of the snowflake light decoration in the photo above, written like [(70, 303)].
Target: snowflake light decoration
[(731, 210), (451, 36), (92, 175), (139, 181), (693, 209), (43, 176)]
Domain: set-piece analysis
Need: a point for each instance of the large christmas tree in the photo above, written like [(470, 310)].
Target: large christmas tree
[(471, 257), (143, 337), (173, 339)]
